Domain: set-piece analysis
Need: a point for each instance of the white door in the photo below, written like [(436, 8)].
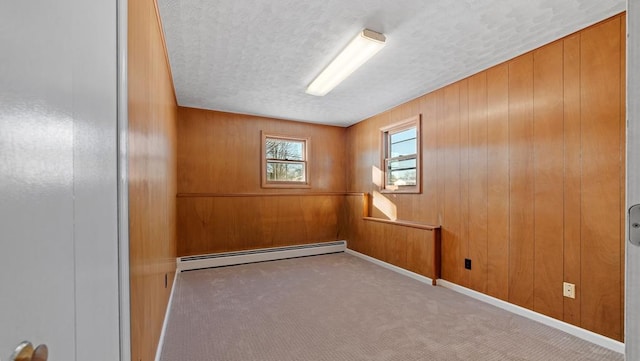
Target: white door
[(632, 312), (58, 178)]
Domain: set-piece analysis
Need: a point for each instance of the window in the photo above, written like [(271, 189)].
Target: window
[(401, 156), (284, 161)]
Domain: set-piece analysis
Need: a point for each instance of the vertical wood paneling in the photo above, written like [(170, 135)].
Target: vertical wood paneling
[(441, 160), (452, 243), (498, 181), (204, 135), (548, 168), (223, 224), (521, 180), (478, 172), (623, 160), (430, 160), (600, 109), (522, 167), (419, 247), (395, 245), (572, 176), (152, 178), (464, 178), (373, 158), (377, 247)]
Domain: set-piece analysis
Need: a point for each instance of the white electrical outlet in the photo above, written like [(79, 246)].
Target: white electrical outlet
[(569, 290)]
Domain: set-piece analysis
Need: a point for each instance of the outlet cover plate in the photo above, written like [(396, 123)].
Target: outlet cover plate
[(569, 290)]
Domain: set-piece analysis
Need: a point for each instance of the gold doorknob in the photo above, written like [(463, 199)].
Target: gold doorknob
[(23, 352), (41, 353), (26, 352)]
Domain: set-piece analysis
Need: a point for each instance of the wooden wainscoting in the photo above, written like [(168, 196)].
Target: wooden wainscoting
[(409, 245), (417, 256), (523, 167), (212, 223)]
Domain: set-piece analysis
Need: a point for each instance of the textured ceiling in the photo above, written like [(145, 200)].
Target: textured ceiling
[(257, 57)]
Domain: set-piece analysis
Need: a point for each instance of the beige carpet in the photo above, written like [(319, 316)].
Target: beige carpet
[(339, 307)]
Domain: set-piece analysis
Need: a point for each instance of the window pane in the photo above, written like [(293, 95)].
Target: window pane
[(405, 147), (285, 172), (284, 149), (403, 135), (402, 177), (402, 164)]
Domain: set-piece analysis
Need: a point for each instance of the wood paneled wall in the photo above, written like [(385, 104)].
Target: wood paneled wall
[(152, 178), (221, 205), (523, 166), (211, 224)]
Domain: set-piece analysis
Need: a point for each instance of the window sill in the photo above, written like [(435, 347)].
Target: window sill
[(401, 191), (286, 185)]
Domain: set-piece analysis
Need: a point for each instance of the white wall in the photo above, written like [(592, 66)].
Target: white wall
[(58, 178)]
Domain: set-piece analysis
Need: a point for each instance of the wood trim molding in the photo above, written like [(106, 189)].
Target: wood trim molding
[(287, 194), (427, 227)]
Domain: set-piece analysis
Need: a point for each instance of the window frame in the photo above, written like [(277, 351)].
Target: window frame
[(385, 136), (266, 183)]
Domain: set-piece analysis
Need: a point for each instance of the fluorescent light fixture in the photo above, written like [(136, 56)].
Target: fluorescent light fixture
[(365, 45)]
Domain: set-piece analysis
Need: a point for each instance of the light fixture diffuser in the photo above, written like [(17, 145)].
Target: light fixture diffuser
[(365, 45)]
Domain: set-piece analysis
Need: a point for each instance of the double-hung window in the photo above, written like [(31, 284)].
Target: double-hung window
[(284, 161), (401, 156)]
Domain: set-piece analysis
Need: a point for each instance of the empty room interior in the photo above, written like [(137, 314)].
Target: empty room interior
[(479, 153)]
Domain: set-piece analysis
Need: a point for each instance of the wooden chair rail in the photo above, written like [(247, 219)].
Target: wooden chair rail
[(279, 194), (427, 227)]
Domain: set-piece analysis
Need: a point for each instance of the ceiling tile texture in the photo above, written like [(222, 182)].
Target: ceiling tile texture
[(257, 57)]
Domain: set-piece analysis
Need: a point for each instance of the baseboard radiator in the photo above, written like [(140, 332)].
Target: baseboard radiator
[(258, 255)]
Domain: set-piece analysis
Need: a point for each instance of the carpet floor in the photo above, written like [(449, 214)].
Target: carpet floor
[(339, 307)]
